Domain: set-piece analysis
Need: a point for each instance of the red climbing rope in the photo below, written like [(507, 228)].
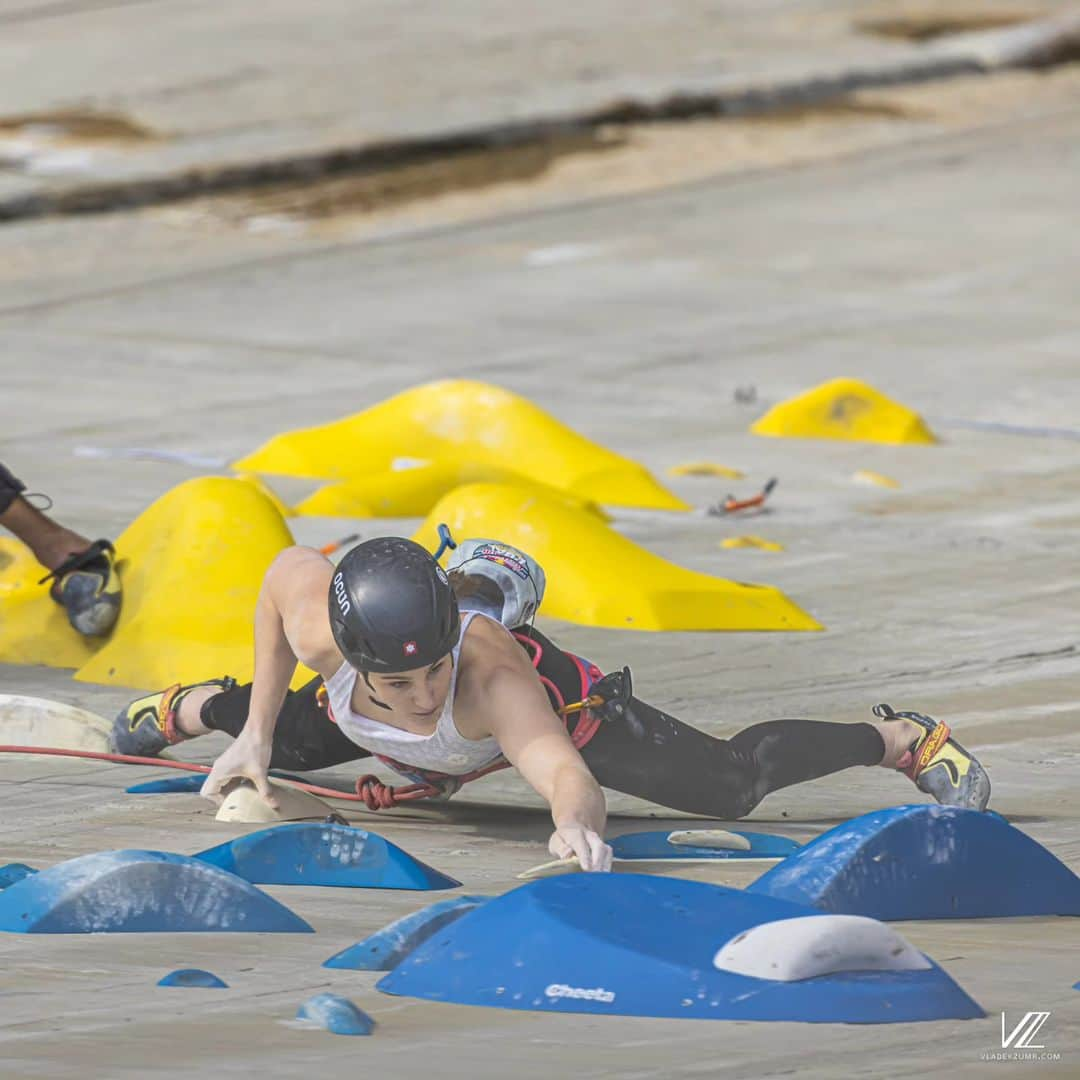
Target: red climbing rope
[(163, 763), (370, 790), (376, 795)]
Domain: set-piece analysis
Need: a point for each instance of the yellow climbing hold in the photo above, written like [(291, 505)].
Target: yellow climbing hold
[(413, 491), (191, 566), (751, 542), (462, 422), (844, 409), (596, 577), (705, 468), (868, 476)]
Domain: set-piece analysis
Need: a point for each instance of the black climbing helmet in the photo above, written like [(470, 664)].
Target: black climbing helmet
[(391, 607)]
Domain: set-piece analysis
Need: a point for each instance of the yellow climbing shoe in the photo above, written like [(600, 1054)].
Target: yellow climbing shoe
[(939, 765), (146, 726)]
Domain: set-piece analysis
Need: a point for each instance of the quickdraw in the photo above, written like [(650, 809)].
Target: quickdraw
[(731, 505)]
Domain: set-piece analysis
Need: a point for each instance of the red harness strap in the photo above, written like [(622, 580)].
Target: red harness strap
[(588, 722)]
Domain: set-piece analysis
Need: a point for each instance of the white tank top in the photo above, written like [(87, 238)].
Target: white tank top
[(446, 750)]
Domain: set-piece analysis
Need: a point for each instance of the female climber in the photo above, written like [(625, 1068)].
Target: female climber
[(443, 677)]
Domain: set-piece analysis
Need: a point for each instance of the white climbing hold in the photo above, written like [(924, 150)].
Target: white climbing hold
[(803, 948), (709, 838), (245, 805)]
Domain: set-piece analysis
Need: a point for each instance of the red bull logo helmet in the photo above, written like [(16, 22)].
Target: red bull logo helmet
[(519, 577)]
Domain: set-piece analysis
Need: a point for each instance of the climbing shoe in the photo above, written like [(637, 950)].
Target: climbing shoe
[(146, 726), (87, 587), (939, 765)]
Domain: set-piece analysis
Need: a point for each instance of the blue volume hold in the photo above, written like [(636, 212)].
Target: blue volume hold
[(191, 782), (386, 948), (925, 862), (308, 853), (13, 872), (193, 977), (337, 1014), (655, 845), (113, 892), (640, 945)]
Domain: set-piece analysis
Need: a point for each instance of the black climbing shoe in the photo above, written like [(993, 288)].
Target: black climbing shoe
[(87, 587)]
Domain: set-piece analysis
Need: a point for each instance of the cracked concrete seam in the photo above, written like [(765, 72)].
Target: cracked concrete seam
[(1041, 43)]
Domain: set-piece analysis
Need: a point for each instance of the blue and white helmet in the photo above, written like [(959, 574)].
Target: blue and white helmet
[(520, 578)]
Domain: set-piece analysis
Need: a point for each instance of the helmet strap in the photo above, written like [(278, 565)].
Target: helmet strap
[(371, 697)]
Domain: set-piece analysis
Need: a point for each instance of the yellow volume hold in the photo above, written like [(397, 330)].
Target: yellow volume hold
[(191, 566), (34, 629), (413, 491), (462, 422), (845, 409), (596, 577)]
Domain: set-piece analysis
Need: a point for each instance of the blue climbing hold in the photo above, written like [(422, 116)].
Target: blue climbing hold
[(140, 892), (337, 1014), (306, 853), (655, 845), (925, 862), (169, 786), (638, 945), (387, 947), (14, 871), (191, 782), (193, 977)]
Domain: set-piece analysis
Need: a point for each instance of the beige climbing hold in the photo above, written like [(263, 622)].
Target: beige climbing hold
[(551, 869), (243, 804), (868, 476), (30, 721), (844, 409), (661, 866), (758, 542), (720, 839), (706, 468)]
